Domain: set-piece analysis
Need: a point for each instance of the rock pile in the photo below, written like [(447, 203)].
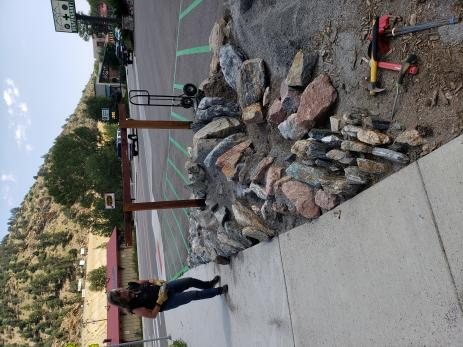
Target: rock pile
[(265, 166)]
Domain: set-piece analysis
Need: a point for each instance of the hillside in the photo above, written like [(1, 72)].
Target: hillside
[(39, 302)]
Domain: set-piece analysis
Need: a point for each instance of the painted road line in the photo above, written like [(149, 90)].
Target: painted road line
[(176, 44), (173, 239), (179, 117), (177, 171), (172, 188), (179, 227), (179, 146), (172, 262), (193, 50), (180, 273), (190, 8), (180, 230), (167, 258), (178, 86)]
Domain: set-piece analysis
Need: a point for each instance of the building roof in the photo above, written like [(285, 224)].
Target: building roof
[(112, 283)]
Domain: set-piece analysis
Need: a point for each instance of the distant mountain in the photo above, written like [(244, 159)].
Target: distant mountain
[(40, 304)]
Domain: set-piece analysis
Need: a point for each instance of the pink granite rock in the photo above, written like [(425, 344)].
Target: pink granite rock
[(302, 197), (273, 175), (326, 200), (276, 114), (316, 100), (227, 161), (259, 172)]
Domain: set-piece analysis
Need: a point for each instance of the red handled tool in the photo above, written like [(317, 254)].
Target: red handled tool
[(412, 70)]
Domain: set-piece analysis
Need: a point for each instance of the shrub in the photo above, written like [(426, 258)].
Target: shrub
[(178, 343), (97, 278)]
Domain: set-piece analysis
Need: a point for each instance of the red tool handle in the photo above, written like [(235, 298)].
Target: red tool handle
[(412, 70)]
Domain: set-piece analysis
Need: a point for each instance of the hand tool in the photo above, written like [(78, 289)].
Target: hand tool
[(374, 57), (405, 65), (412, 70), (421, 27)]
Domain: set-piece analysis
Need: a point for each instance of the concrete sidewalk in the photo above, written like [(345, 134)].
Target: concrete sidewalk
[(383, 269)]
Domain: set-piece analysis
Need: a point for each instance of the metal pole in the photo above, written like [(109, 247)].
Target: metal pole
[(154, 124), (142, 341), (159, 205)]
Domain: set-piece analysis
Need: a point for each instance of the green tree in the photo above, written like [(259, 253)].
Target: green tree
[(97, 278), (67, 180), (95, 104)]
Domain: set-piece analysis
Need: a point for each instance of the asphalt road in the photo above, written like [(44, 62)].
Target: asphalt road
[(171, 49)]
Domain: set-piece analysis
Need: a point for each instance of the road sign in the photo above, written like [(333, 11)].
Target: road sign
[(64, 15), (109, 201), (105, 114)]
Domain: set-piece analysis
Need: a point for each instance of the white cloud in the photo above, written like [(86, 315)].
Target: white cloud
[(8, 97), (19, 134), (6, 193), (23, 107), (19, 120), (7, 178), (6, 196)]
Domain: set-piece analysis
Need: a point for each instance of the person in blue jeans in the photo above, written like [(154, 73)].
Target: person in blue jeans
[(146, 298)]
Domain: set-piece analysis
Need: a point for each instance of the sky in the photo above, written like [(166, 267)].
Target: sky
[(42, 75)]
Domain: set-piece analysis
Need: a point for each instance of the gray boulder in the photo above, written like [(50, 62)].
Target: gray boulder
[(210, 108), (250, 82), (231, 60), (224, 145)]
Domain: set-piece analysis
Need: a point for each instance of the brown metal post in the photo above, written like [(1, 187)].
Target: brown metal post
[(149, 124), (154, 124), (128, 205), (159, 205)]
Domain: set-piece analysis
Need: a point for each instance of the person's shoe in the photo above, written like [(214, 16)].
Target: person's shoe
[(214, 281), (224, 289)]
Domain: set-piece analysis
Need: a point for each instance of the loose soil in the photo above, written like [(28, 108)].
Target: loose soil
[(275, 30), (95, 304)]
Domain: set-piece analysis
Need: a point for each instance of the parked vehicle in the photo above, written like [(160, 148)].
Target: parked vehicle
[(132, 144), (124, 55)]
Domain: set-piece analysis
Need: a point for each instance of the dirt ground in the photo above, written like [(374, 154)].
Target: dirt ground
[(95, 302), (275, 30)]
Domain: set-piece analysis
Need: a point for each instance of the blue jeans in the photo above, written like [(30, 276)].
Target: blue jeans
[(177, 296)]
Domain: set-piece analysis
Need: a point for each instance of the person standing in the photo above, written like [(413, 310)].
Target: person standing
[(146, 298)]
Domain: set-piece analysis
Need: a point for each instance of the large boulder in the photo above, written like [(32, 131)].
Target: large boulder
[(390, 155), (260, 170), (273, 175), (316, 100), (216, 40), (313, 176), (227, 161), (252, 114), (326, 200), (219, 127), (202, 148), (373, 167), (221, 148), (290, 130), (301, 70), (276, 114), (210, 108), (411, 137), (250, 82), (373, 137), (231, 60), (247, 218), (302, 197)]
